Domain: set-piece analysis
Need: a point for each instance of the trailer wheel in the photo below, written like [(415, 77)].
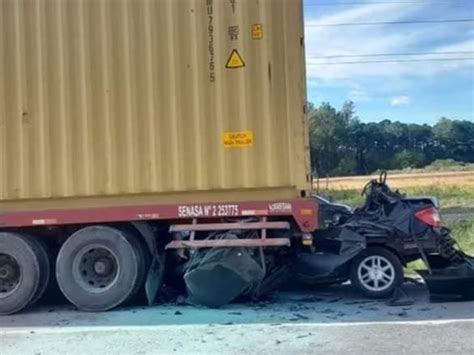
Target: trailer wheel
[(98, 268), (376, 272), (45, 267), (20, 273), (144, 261)]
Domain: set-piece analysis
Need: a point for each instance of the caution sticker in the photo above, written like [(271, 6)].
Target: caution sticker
[(235, 60), (241, 139), (257, 31)]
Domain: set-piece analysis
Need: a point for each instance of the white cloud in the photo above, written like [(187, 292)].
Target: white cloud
[(400, 101), (357, 13), (359, 95), (352, 40)]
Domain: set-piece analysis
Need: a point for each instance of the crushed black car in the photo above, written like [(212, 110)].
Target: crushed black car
[(371, 247), (332, 213), (368, 246)]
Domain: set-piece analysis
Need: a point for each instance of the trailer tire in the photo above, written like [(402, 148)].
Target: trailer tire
[(20, 272), (45, 266), (98, 268), (376, 272), (144, 261)]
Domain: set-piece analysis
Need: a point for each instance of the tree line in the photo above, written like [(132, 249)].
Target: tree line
[(341, 144)]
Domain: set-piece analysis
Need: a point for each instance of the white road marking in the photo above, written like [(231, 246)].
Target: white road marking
[(79, 329)]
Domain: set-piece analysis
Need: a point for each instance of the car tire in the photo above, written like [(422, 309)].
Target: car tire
[(98, 268), (376, 272)]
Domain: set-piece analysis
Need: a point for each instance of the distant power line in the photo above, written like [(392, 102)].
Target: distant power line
[(392, 61), (390, 23), (369, 55), (347, 3)]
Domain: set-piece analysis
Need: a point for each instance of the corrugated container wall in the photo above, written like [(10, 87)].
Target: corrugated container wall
[(123, 97)]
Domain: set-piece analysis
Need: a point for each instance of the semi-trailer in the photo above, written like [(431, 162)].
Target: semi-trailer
[(130, 130)]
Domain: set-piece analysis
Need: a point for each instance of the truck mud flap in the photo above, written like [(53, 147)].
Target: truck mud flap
[(447, 282)]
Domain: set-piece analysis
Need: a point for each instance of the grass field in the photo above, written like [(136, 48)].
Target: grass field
[(464, 233), (450, 196), (453, 189), (452, 178)]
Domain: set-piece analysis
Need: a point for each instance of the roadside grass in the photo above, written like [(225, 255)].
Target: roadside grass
[(401, 181), (435, 167), (463, 231), (449, 195), (350, 197)]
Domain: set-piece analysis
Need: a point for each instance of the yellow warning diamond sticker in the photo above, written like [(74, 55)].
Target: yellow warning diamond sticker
[(235, 61)]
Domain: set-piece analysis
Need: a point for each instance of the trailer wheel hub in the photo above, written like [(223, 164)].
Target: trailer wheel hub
[(96, 268), (10, 274), (102, 267)]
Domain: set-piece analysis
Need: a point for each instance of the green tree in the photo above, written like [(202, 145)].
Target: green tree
[(328, 134), (454, 139), (343, 145), (409, 159)]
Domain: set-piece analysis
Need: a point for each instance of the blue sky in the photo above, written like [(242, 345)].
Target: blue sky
[(419, 92)]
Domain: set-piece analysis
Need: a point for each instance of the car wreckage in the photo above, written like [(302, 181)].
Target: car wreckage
[(368, 246)]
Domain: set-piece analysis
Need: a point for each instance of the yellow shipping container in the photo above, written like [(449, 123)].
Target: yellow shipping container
[(105, 102)]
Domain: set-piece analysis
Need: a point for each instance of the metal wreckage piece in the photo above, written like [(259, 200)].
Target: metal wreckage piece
[(218, 276), (450, 274), (323, 265), (215, 277)]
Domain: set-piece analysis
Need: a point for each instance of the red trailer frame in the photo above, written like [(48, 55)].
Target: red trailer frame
[(304, 211), (298, 216)]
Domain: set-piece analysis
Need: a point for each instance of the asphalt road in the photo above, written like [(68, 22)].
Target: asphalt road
[(332, 321)]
